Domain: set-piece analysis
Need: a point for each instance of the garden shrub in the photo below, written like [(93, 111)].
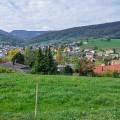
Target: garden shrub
[(115, 74), (0, 60), (2, 70), (68, 70), (107, 73), (9, 70), (96, 75), (32, 71)]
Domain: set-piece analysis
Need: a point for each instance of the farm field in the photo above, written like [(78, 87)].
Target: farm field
[(59, 97), (112, 43)]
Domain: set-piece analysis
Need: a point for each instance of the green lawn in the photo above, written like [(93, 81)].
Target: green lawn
[(59, 97)]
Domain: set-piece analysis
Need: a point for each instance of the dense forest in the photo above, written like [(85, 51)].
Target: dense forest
[(94, 31)]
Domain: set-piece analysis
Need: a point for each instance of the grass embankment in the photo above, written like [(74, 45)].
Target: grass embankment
[(59, 97)]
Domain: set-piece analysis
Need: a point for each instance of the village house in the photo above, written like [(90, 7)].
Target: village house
[(114, 55), (60, 68), (84, 43), (109, 52), (100, 54), (16, 66), (89, 54), (103, 69), (115, 62), (86, 50), (1, 53), (70, 54), (93, 51), (68, 49)]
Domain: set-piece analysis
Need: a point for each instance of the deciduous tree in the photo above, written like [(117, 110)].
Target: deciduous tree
[(59, 52), (29, 56), (12, 53)]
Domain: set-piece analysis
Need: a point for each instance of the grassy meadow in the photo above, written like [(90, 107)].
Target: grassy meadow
[(59, 97)]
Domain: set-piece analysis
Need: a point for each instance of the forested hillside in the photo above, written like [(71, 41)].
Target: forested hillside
[(27, 34), (95, 31), (6, 37)]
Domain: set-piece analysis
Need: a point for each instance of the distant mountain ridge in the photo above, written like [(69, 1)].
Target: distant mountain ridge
[(95, 31), (26, 35), (6, 37)]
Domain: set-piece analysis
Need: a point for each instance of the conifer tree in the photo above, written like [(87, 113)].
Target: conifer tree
[(51, 63), (39, 62), (46, 60)]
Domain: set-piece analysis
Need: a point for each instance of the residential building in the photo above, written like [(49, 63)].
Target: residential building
[(109, 52), (93, 51), (89, 54), (100, 54), (1, 53), (103, 69), (70, 54), (115, 62)]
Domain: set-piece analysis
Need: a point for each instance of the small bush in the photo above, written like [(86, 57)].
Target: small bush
[(2, 70), (16, 71), (32, 71), (107, 73), (68, 70), (115, 74), (9, 70), (96, 75), (0, 60)]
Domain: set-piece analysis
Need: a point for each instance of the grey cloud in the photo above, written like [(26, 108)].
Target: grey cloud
[(56, 14)]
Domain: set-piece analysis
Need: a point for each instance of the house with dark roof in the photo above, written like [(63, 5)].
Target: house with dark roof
[(70, 54), (61, 67), (16, 66)]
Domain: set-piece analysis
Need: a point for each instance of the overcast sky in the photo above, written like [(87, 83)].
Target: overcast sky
[(56, 14)]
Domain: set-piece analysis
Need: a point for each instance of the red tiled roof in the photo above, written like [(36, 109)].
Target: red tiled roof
[(66, 48), (89, 53), (100, 53), (105, 68), (72, 52)]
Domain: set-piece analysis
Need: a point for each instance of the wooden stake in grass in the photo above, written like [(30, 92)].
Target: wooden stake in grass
[(36, 101)]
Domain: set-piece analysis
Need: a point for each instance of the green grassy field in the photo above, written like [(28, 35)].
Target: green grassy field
[(59, 97), (112, 43)]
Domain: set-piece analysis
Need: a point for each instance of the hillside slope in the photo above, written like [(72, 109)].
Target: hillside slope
[(27, 34), (7, 38), (95, 31)]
